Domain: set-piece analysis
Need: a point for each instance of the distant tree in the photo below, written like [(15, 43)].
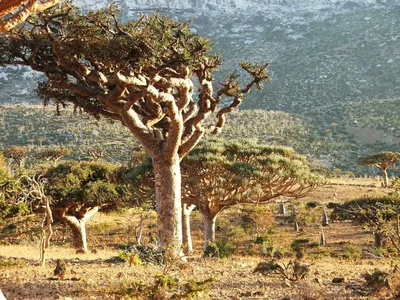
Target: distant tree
[(219, 174), (382, 161), (14, 12), (78, 190), (17, 154), (53, 153), (141, 74), (96, 152)]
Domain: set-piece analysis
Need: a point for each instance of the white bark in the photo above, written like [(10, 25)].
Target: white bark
[(187, 238), (209, 220), (168, 201), (385, 178), (78, 227), (324, 218)]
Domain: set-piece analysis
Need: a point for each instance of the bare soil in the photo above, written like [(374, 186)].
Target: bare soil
[(348, 254)]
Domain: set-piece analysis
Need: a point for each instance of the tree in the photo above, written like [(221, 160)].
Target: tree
[(78, 190), (53, 153), (14, 12), (382, 161), (219, 174), (17, 154), (141, 74)]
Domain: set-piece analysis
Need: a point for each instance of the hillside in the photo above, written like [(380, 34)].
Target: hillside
[(333, 66), (38, 127)]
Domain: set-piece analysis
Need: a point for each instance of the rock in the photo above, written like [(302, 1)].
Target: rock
[(338, 280)]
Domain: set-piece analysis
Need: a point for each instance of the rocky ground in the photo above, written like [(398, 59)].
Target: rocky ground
[(347, 255)]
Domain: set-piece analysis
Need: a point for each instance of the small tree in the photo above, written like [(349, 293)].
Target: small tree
[(382, 161), (219, 174), (141, 74), (17, 154), (52, 154), (78, 190)]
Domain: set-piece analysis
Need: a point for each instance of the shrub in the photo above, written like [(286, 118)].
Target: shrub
[(312, 204), (292, 271), (218, 249), (351, 252), (299, 244), (332, 205), (138, 254), (164, 287), (130, 257), (380, 281), (260, 240), (11, 262)]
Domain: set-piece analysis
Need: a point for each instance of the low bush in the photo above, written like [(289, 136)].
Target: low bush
[(293, 270), (218, 249), (164, 287)]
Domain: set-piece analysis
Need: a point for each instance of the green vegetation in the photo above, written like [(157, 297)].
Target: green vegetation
[(12, 262), (142, 77), (163, 287), (293, 270), (377, 214), (78, 190), (218, 249), (382, 161)]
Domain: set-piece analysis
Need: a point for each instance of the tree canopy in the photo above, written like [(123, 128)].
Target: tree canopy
[(78, 190), (17, 154), (138, 73), (218, 174), (382, 161), (245, 172), (52, 153), (87, 184), (142, 73)]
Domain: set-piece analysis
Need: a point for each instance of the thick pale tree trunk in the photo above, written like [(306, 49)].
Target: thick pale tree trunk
[(187, 238), (209, 219), (78, 228), (385, 178), (169, 209)]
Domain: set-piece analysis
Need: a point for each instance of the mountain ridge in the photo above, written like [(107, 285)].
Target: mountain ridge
[(228, 6)]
